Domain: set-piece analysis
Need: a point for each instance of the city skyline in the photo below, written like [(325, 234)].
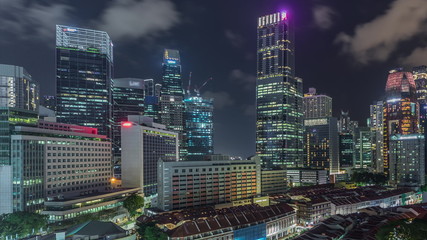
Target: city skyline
[(234, 34)]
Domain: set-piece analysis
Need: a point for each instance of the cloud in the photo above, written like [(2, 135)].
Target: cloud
[(247, 80), (235, 39), (416, 58), (33, 20), (377, 39), (133, 19), (222, 99), (323, 16)]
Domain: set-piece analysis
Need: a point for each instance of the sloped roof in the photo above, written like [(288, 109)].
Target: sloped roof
[(91, 228)]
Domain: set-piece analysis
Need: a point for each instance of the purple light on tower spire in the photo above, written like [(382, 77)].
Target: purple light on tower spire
[(284, 15)]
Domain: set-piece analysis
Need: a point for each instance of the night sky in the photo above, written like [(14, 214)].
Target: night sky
[(343, 48)]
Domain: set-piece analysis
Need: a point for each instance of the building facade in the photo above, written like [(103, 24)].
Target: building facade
[(363, 148), (273, 181), (279, 122), (401, 109), (198, 127), (321, 140), (144, 143), (316, 105), (306, 177), (346, 150), (18, 89), (128, 99), (376, 124), (189, 184), (407, 160), (84, 69)]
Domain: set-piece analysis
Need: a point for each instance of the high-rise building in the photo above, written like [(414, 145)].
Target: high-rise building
[(189, 184), (321, 144), (144, 143), (345, 124), (317, 105), (376, 124), (48, 102), (279, 124), (128, 99), (84, 68), (172, 83), (171, 100), (400, 109), (199, 127), (18, 89), (407, 160), (363, 147), (148, 87), (346, 150), (420, 78)]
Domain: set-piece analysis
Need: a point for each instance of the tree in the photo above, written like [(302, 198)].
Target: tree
[(21, 223), (133, 203), (149, 231)]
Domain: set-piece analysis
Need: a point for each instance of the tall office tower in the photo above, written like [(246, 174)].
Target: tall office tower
[(321, 144), (148, 87), (48, 102), (157, 89), (171, 102), (346, 150), (420, 78), (400, 109), (171, 71), (316, 105), (198, 127), (84, 69), (128, 99), (344, 122), (362, 147), (144, 143), (407, 160), (279, 125), (376, 125), (18, 89)]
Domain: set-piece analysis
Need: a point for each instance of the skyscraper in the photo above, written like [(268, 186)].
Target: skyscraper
[(420, 78), (172, 83), (128, 99), (317, 105), (363, 147), (171, 101), (84, 68), (18, 89), (279, 126), (199, 127), (376, 125), (400, 109)]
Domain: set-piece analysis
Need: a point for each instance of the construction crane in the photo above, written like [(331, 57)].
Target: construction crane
[(197, 90)]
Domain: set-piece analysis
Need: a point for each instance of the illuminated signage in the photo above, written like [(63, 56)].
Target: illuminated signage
[(171, 62), (315, 122), (134, 84), (70, 30), (126, 124), (284, 16), (393, 100)]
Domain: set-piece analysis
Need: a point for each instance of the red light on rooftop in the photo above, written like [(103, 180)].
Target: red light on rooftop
[(126, 124)]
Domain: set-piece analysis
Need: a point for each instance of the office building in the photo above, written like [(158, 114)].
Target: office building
[(376, 122), (144, 143), (48, 102), (273, 181), (279, 122), (321, 140), (128, 99), (198, 127), (84, 68), (346, 150), (149, 87), (18, 89), (363, 147), (345, 124), (420, 78), (171, 71), (316, 105), (407, 160), (400, 109), (189, 184), (55, 161), (296, 177)]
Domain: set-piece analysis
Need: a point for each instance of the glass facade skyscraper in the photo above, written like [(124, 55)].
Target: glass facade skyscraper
[(317, 105), (199, 127), (172, 83), (279, 125), (84, 69)]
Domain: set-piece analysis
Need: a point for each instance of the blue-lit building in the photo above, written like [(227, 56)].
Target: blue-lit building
[(279, 104), (171, 73), (199, 127), (84, 69)]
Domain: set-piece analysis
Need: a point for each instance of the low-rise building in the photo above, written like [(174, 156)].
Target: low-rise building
[(273, 181), (312, 211), (304, 176), (188, 184)]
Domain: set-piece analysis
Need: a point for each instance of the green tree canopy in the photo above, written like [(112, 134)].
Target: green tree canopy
[(21, 223), (149, 231), (366, 177), (133, 203)]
